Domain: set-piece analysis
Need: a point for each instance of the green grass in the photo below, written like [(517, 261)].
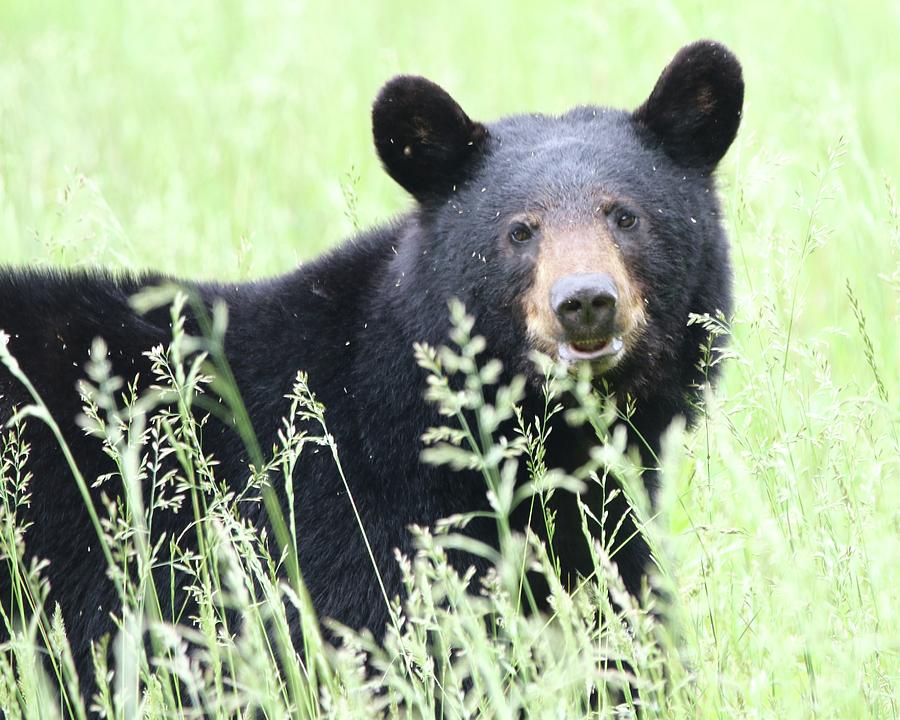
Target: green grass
[(229, 140)]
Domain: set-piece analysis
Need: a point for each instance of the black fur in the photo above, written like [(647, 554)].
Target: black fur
[(695, 108), (351, 317), (422, 135)]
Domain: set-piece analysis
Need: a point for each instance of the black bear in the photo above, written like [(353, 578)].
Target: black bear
[(591, 236)]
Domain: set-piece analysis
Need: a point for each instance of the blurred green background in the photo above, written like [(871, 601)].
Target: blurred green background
[(231, 140)]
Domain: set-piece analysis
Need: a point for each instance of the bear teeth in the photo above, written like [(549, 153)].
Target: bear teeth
[(605, 350), (588, 346)]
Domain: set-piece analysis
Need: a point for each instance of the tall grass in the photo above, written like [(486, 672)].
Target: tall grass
[(460, 645), (231, 140)]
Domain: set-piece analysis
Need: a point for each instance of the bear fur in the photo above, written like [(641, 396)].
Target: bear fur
[(349, 319)]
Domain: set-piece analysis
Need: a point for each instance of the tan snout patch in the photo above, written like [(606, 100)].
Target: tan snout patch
[(575, 250)]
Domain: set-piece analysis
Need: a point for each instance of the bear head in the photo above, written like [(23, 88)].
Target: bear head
[(589, 236)]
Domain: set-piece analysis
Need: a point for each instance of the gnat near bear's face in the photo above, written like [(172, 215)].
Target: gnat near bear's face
[(584, 229)]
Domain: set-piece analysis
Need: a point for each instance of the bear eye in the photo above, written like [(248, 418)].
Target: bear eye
[(520, 233), (626, 219)]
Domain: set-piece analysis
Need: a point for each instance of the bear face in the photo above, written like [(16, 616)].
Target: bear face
[(588, 236)]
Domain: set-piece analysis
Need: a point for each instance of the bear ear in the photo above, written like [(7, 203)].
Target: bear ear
[(695, 108), (423, 137)]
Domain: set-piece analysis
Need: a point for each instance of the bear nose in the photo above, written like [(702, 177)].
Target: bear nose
[(585, 304)]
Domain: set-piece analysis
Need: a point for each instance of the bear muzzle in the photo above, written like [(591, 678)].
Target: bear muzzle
[(585, 306)]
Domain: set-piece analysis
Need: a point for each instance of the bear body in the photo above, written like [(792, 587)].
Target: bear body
[(590, 236)]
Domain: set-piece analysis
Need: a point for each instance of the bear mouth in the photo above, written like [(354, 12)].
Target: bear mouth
[(604, 349)]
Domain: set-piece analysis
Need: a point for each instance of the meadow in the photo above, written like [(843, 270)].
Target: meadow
[(232, 140)]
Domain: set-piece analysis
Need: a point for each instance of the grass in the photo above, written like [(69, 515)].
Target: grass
[(231, 140)]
